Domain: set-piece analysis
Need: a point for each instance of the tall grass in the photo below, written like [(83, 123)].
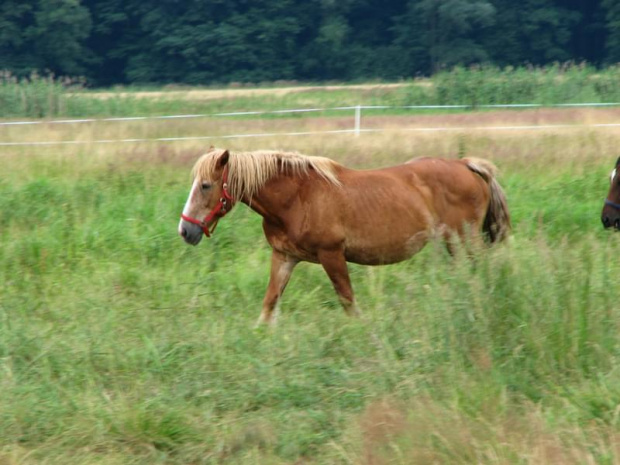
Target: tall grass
[(487, 85), (39, 96), (35, 96), (121, 344)]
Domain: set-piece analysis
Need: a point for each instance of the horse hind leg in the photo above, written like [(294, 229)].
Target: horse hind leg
[(466, 239)]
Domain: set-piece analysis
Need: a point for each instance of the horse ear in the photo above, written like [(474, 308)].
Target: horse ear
[(618, 162), (222, 161)]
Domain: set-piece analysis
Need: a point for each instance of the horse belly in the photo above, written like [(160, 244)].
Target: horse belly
[(384, 252)]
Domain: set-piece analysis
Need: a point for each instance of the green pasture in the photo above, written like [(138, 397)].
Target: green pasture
[(120, 344)]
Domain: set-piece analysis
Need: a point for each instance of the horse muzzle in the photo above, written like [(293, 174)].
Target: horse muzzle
[(191, 233), (609, 223), (610, 216)]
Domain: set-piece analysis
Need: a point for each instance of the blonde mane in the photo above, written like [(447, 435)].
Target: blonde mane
[(249, 171)]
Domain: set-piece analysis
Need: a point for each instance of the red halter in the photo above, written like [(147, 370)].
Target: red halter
[(219, 211)]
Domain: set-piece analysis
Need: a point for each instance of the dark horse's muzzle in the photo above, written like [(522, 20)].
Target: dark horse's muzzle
[(610, 215)]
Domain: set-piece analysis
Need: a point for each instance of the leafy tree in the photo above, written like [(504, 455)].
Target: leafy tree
[(325, 57), (530, 31), (448, 29), (113, 26), (14, 16), (44, 35), (612, 15), (57, 35), (588, 35), (207, 41)]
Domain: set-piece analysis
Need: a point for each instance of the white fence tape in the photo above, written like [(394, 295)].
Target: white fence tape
[(164, 117), (355, 131), (356, 108), (172, 139)]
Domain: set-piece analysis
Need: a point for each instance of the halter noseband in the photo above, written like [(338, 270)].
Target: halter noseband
[(612, 204), (219, 211)]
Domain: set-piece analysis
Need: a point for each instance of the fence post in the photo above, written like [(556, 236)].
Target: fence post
[(358, 119)]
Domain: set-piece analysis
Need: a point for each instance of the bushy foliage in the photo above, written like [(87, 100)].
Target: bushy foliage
[(205, 42)]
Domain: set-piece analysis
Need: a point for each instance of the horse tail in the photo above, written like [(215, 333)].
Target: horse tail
[(496, 224)]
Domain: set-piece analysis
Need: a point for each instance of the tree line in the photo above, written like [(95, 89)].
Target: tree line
[(220, 41)]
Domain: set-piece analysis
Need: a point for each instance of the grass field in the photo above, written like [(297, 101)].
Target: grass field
[(119, 344)]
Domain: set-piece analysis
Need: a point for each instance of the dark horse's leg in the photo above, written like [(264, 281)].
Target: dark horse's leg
[(335, 266), (282, 266)]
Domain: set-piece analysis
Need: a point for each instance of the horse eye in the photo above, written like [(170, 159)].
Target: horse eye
[(205, 186)]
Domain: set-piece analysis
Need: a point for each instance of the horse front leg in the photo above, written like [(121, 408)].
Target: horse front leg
[(282, 267), (335, 265)]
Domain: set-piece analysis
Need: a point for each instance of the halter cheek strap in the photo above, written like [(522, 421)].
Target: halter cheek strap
[(612, 204), (223, 206)]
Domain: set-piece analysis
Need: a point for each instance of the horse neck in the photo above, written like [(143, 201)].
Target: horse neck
[(272, 199)]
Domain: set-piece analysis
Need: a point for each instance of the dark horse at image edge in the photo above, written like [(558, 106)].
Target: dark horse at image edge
[(610, 216), (316, 210)]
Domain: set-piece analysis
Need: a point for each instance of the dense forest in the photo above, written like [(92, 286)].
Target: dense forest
[(219, 41)]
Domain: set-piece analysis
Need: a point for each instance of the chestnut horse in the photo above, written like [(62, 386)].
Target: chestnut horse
[(610, 216), (316, 210)]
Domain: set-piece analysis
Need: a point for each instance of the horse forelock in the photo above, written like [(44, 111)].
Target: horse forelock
[(249, 171)]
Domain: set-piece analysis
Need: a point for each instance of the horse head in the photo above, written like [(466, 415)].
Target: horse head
[(209, 199), (610, 216)]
